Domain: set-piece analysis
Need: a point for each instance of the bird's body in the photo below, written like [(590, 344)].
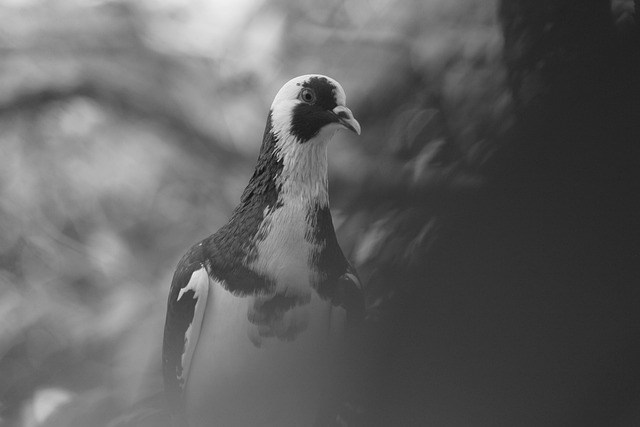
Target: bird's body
[(256, 311), (279, 384)]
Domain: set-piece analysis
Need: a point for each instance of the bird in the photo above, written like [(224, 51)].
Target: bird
[(257, 311)]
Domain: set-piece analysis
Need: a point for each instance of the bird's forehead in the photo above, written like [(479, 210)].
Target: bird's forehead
[(328, 91)]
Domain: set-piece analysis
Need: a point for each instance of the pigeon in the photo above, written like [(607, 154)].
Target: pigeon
[(258, 312)]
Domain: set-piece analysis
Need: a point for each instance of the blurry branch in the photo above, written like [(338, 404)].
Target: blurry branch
[(128, 103), (377, 39), (101, 53), (399, 183)]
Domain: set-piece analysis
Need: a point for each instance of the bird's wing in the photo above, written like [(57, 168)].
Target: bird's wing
[(185, 311), (350, 295)]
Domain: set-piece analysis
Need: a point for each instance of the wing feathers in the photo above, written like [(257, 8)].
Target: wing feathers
[(199, 285), (350, 295), (185, 312)]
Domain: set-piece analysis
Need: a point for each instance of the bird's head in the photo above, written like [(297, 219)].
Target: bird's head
[(304, 116), (311, 107)]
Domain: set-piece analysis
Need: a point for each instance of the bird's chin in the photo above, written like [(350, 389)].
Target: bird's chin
[(328, 131)]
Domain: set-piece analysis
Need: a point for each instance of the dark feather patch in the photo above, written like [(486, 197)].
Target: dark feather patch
[(308, 119), (330, 261), (324, 90), (339, 282), (268, 313), (262, 189)]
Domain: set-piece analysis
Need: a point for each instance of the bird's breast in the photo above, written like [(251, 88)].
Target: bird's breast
[(285, 248)]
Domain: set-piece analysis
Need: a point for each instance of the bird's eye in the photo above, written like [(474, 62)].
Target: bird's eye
[(308, 96)]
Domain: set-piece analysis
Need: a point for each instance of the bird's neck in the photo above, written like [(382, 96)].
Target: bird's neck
[(303, 178), (289, 171), (283, 217)]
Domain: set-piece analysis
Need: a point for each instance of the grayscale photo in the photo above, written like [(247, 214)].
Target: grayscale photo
[(302, 213)]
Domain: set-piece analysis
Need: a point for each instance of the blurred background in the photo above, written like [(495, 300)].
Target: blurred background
[(490, 204)]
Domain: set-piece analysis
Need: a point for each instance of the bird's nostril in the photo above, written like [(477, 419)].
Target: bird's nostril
[(343, 114)]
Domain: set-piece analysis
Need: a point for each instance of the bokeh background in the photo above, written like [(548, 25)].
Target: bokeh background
[(490, 204)]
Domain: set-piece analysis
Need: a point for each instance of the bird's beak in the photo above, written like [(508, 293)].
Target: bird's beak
[(346, 119)]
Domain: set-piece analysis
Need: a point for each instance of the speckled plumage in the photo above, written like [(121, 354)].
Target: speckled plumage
[(276, 276)]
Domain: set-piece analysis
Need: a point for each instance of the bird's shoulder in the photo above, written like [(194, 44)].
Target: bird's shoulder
[(226, 254), (339, 281)]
